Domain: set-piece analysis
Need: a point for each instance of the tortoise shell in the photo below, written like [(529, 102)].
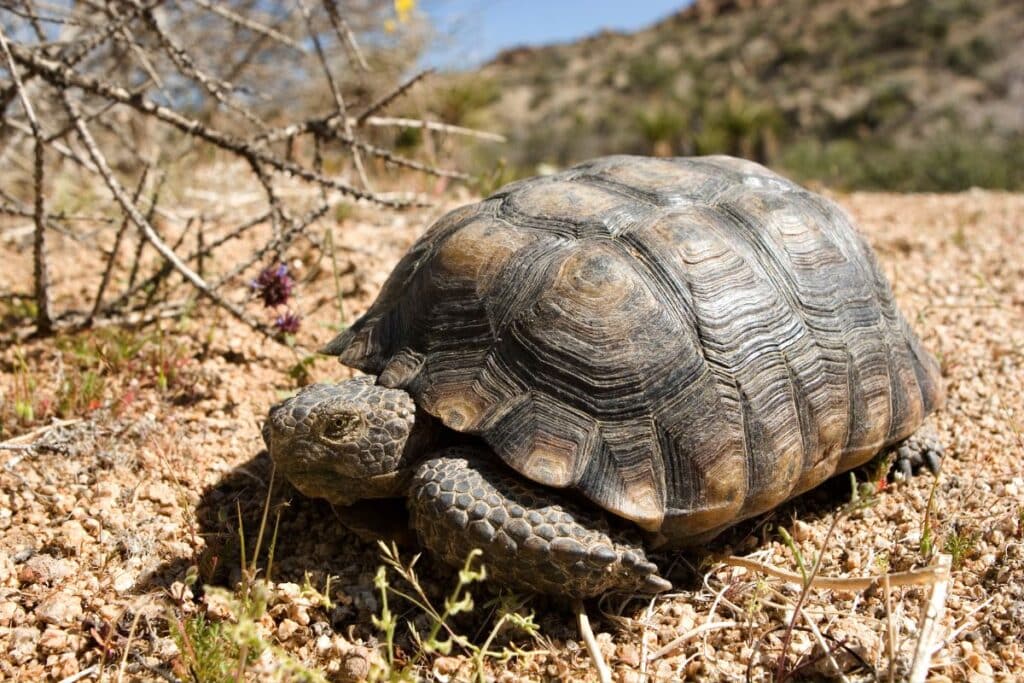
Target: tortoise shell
[(686, 342)]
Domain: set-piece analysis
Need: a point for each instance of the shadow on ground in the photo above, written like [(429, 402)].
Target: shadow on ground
[(312, 542)]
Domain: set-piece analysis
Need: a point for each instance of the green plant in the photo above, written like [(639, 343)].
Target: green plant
[(15, 309), (865, 494), (408, 138), (458, 103), (221, 650), (25, 384), (442, 636), (941, 164), (649, 74), (797, 555), (661, 128), (79, 392), (739, 127), (927, 543), (208, 652), (300, 370), (960, 544), (968, 58), (501, 174)]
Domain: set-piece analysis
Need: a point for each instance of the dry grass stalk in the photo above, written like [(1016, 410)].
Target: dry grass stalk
[(926, 576), (931, 618), (604, 674), (681, 640)]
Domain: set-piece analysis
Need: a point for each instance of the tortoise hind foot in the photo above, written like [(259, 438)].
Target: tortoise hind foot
[(921, 449), (532, 537)]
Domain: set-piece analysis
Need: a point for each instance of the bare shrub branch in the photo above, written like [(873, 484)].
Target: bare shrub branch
[(106, 95)]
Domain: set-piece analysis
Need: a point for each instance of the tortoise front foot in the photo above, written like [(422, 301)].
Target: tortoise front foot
[(921, 449), (531, 537)]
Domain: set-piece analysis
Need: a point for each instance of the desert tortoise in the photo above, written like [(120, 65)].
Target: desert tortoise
[(632, 352)]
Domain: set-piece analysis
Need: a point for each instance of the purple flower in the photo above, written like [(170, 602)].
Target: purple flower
[(288, 322), (274, 285)]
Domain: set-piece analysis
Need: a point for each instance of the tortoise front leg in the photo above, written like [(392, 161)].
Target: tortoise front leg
[(531, 536)]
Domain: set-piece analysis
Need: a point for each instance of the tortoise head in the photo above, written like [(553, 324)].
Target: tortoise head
[(347, 441)]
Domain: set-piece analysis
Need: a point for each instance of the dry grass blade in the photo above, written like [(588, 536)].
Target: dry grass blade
[(604, 674), (926, 576), (931, 617), (684, 638)]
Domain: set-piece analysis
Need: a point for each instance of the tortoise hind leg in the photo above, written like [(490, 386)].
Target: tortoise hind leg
[(921, 449), (531, 536)]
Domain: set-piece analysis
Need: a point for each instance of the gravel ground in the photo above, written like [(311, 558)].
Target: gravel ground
[(113, 527)]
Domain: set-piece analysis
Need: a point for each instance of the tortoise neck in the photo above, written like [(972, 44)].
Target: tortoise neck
[(430, 435), (427, 435)]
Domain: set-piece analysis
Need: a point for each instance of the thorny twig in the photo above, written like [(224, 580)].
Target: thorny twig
[(129, 89), (44, 318), (144, 226)]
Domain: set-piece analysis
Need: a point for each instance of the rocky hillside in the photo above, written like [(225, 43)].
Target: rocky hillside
[(902, 94)]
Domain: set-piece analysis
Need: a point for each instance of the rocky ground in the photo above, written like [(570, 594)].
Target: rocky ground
[(123, 528)]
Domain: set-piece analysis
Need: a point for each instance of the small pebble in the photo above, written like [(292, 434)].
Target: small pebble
[(286, 630), (60, 609)]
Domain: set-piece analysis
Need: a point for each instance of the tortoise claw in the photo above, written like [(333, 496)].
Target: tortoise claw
[(656, 584), (904, 468)]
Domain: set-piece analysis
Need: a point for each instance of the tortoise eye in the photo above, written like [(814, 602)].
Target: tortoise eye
[(340, 427)]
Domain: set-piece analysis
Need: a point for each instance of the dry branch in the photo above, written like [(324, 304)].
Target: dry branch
[(248, 23), (127, 90), (144, 226), (65, 78), (348, 39), (105, 280), (41, 272), (390, 97)]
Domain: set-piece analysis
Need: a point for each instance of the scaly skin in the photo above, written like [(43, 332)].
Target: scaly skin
[(356, 440), (921, 449), (530, 536), (349, 441)]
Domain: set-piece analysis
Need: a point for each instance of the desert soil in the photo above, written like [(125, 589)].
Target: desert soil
[(124, 519)]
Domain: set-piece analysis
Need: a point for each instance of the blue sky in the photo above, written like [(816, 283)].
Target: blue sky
[(479, 29)]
